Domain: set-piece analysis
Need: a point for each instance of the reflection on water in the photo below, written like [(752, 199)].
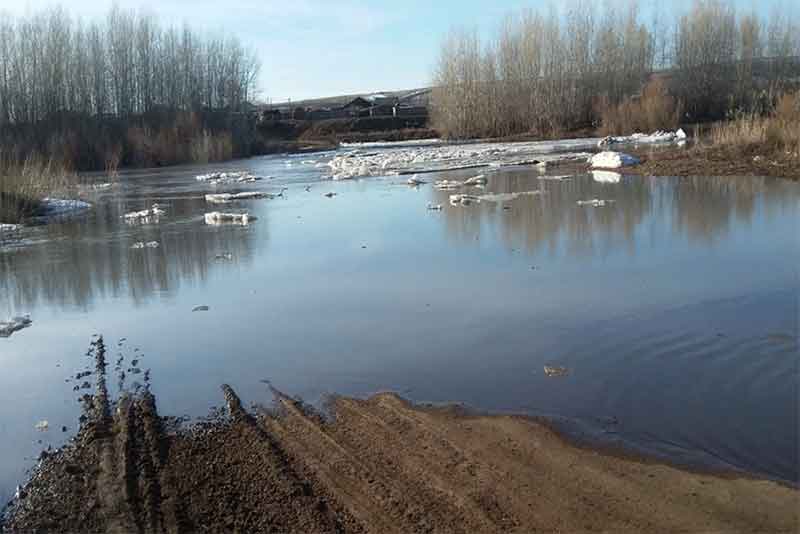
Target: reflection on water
[(93, 258), (673, 307)]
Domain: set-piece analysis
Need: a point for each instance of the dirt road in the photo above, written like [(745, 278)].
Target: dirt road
[(381, 465)]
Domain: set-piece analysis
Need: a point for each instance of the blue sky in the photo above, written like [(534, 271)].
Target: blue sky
[(326, 47)]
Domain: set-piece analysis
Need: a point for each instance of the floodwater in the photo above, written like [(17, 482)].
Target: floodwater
[(674, 308)]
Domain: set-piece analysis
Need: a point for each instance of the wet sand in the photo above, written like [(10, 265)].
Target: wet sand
[(378, 465)]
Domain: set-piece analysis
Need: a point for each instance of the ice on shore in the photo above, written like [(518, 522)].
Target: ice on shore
[(612, 160), (606, 177), (56, 207), (643, 139), (14, 325), (141, 245), (595, 202), (216, 217), (225, 198), (144, 216), (401, 160)]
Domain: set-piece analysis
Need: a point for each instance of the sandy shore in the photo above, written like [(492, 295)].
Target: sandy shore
[(379, 465)]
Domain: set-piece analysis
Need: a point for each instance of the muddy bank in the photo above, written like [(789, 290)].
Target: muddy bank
[(377, 465), (701, 160)]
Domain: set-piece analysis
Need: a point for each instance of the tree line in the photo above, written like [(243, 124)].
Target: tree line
[(126, 64), (550, 71)]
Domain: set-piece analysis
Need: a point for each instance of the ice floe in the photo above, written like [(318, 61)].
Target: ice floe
[(612, 160), (606, 177), (216, 217), (56, 207), (475, 181), (359, 163), (434, 207), (14, 324), (141, 245), (506, 197), (553, 371), (558, 178), (392, 144), (595, 202), (239, 177), (414, 181), (144, 216), (643, 139), (463, 200), (224, 198)]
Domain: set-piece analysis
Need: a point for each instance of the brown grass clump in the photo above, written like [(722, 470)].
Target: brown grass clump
[(654, 110), (23, 186), (777, 131)]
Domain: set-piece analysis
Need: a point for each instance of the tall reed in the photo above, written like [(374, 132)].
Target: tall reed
[(24, 185)]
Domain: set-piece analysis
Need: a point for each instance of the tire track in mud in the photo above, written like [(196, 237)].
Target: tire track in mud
[(379, 465)]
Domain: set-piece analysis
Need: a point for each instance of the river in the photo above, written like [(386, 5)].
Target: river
[(672, 309)]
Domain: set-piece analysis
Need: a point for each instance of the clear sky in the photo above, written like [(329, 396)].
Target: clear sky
[(314, 48)]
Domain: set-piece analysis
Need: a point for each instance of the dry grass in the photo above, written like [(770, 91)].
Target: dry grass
[(24, 185), (777, 131), (207, 147), (654, 110)]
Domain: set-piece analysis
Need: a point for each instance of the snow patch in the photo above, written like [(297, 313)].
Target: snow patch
[(612, 160)]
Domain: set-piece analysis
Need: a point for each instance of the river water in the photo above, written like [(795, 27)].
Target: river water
[(673, 309)]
